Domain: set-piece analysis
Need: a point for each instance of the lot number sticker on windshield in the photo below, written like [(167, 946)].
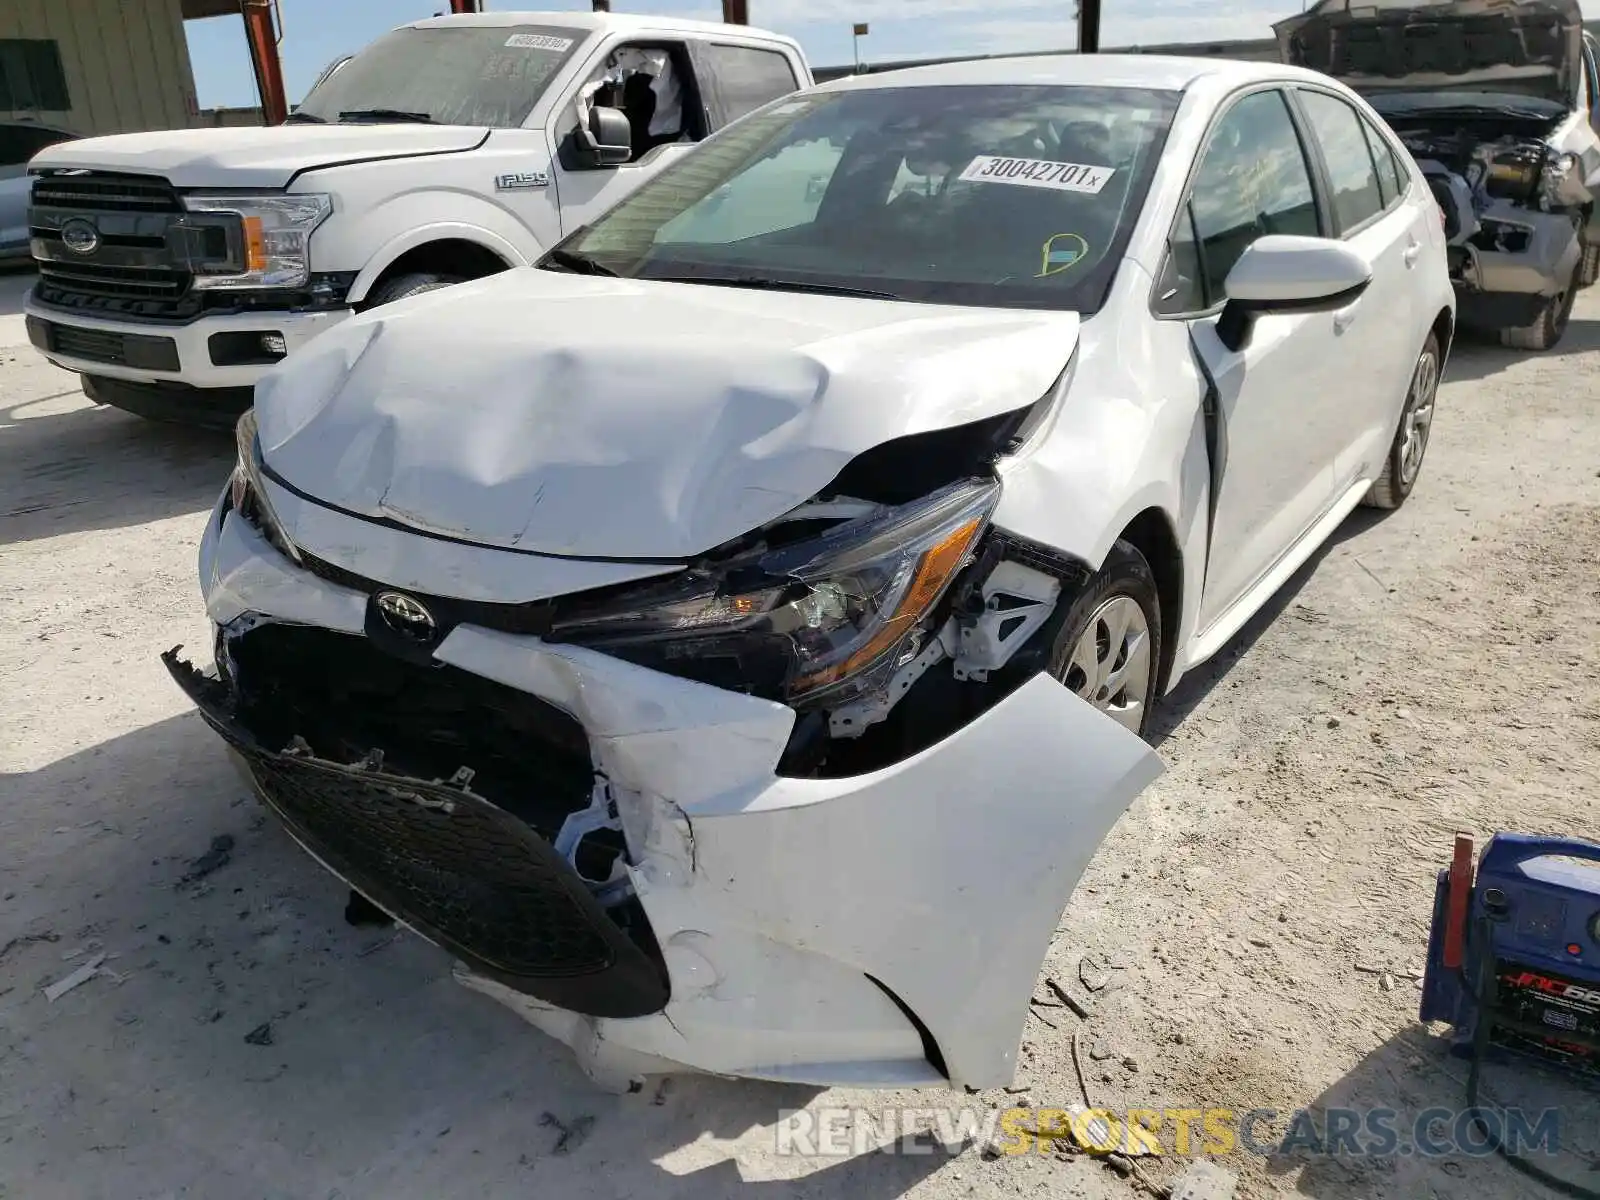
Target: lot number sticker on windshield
[(538, 41), (1037, 172)]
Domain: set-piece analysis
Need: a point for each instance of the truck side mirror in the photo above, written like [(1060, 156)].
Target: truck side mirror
[(610, 138)]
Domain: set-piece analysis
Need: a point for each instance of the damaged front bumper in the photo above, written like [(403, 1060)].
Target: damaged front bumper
[(614, 852), (1518, 252)]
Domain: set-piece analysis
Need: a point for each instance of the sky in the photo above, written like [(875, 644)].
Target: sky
[(318, 31)]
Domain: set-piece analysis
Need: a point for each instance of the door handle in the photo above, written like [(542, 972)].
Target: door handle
[(1411, 253)]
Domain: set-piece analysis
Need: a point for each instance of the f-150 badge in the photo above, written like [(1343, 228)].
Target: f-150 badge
[(523, 179)]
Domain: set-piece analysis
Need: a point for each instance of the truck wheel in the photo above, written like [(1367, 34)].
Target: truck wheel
[(1589, 265), (1553, 317), (413, 284)]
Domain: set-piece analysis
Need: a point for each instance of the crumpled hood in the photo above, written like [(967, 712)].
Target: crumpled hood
[(618, 418), (254, 157), (1527, 46)]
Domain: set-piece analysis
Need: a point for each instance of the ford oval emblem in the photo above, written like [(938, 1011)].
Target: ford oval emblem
[(408, 617), (80, 236)]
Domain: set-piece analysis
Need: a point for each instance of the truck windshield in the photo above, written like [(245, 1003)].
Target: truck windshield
[(447, 75), (1009, 195)]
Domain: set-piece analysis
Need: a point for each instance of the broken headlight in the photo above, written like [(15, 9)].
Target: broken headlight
[(820, 620), (246, 494)]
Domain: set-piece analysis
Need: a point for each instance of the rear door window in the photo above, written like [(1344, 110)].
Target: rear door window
[(743, 78)]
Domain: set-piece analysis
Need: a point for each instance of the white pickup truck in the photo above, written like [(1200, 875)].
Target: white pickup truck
[(176, 267)]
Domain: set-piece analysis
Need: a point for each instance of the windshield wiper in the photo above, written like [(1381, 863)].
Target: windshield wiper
[(300, 118), (776, 285), (578, 264), (386, 114)]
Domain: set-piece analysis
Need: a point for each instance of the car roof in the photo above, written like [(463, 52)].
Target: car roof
[(620, 22), (1160, 72)]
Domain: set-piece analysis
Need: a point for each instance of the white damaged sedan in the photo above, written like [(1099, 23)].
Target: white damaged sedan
[(732, 637)]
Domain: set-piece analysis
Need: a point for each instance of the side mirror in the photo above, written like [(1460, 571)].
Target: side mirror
[(1282, 273), (609, 140)]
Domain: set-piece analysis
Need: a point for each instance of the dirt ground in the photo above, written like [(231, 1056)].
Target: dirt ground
[(1263, 908)]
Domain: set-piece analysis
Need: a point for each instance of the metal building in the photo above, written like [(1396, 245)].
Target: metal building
[(100, 66)]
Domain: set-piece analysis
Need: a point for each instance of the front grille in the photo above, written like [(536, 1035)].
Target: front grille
[(477, 876), (163, 285), (349, 746), (135, 270), (106, 193)]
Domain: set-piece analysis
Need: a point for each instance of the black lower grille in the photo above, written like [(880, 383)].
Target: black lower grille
[(476, 875), (469, 864), (104, 346)]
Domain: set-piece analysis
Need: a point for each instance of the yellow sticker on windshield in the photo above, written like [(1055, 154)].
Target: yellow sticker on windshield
[(1061, 251)]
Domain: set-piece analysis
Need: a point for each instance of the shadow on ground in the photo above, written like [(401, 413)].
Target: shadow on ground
[(1444, 1158), (1197, 684), (67, 468), (258, 1045), (1477, 357)]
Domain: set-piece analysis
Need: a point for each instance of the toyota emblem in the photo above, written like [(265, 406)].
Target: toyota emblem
[(80, 236), (408, 617)]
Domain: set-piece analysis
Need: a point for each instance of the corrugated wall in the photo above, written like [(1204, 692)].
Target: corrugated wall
[(126, 62)]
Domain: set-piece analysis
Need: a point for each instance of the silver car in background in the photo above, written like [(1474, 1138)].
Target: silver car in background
[(19, 142)]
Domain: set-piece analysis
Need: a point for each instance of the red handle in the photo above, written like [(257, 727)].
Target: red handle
[(1457, 896)]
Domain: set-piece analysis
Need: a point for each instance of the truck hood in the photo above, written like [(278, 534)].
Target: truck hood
[(1532, 47), (254, 157), (623, 419)]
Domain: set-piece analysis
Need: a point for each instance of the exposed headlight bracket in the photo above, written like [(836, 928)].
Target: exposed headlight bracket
[(1017, 601)]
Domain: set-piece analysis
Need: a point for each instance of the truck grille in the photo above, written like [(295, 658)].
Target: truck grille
[(133, 271), (106, 193)]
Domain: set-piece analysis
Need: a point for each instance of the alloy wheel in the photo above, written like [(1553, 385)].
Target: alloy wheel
[(1418, 419), (1110, 663)]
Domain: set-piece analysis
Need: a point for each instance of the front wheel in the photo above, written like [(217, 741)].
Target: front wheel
[(1552, 321), (1404, 463), (1108, 649), (402, 287)]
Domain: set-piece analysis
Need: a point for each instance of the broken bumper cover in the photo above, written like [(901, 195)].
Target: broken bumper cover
[(878, 929), (463, 873), (1547, 249)]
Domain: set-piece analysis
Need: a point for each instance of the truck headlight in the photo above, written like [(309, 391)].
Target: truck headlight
[(816, 621), (274, 238)]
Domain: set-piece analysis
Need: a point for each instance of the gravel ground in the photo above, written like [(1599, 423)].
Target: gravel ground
[(1429, 672)]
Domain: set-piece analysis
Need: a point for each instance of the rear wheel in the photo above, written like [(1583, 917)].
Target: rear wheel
[(1404, 464), (1108, 649)]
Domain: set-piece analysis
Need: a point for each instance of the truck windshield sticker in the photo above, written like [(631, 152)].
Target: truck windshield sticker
[(1037, 172), (538, 41)]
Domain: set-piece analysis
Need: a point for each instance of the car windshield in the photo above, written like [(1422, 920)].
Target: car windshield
[(1011, 195), (448, 75)]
